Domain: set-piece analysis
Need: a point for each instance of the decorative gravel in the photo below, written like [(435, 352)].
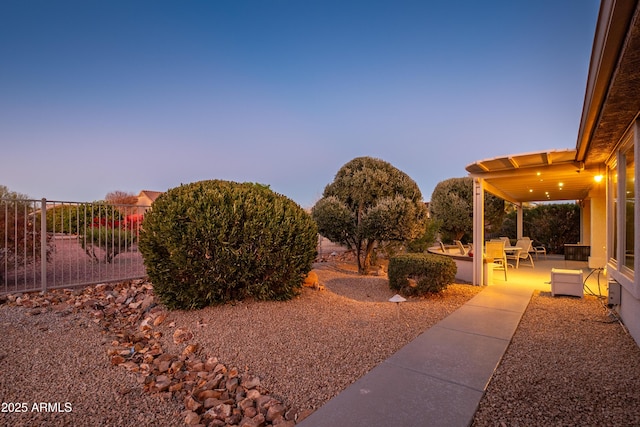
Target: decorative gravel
[(54, 371), (309, 349), (568, 364)]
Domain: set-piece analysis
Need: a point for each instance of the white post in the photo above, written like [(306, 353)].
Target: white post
[(478, 231)]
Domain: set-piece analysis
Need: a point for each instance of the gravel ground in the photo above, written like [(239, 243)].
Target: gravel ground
[(309, 349), (568, 363), (62, 361)]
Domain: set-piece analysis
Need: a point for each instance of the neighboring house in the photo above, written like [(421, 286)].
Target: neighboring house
[(600, 172), (147, 197)]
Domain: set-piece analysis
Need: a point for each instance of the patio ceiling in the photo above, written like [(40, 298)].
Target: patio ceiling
[(535, 177)]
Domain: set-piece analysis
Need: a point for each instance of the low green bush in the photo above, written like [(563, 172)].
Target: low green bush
[(429, 273), (103, 244), (212, 242)]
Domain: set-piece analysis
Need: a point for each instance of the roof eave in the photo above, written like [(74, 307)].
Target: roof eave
[(611, 30)]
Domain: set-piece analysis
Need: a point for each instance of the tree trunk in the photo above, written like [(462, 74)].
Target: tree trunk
[(365, 263), (358, 251)]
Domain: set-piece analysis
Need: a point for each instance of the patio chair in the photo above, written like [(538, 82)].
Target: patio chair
[(494, 252), (463, 250), (507, 242), (539, 249), (522, 253)]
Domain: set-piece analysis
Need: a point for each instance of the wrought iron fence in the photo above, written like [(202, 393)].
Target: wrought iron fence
[(52, 244)]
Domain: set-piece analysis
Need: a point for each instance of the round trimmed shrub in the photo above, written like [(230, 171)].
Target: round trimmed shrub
[(429, 273), (212, 242)]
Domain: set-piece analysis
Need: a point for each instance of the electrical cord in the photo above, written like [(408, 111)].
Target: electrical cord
[(610, 312), (599, 294)]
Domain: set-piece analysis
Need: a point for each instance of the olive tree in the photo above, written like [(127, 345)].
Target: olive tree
[(452, 207), (370, 202)]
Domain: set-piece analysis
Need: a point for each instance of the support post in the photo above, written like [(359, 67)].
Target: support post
[(478, 231), (519, 216)]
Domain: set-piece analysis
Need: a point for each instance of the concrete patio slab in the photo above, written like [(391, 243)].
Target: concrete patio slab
[(452, 356), (394, 396), (502, 298), (483, 321)]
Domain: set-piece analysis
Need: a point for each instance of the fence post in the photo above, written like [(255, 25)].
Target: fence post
[(43, 243)]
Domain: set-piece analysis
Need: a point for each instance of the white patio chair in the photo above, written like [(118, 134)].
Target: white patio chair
[(506, 240), (540, 250), (463, 250), (494, 252), (522, 253)]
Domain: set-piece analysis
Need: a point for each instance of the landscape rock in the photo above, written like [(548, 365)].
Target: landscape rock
[(182, 335), (212, 393), (275, 411), (191, 418), (250, 381)]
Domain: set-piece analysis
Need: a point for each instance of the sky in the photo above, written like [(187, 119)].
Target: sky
[(103, 96)]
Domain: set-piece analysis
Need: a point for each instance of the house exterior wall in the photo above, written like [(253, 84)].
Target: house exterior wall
[(598, 233), (609, 135), (624, 229), (629, 311)]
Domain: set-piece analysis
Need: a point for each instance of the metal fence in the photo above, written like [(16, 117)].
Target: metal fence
[(51, 244)]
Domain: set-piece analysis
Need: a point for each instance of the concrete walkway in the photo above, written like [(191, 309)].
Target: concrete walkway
[(439, 378)]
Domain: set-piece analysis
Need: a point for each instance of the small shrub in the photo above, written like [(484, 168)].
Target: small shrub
[(212, 242), (20, 233), (429, 273), (103, 244), (424, 241), (75, 219)]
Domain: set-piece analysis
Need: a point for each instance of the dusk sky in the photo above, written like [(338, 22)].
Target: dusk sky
[(98, 96)]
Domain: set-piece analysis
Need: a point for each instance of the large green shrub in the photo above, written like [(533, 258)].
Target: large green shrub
[(451, 207), (429, 273), (212, 242)]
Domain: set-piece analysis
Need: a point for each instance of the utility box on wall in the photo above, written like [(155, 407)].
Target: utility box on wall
[(566, 282), (614, 293)]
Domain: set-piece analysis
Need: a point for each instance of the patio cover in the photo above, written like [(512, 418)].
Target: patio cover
[(553, 175), (534, 177)]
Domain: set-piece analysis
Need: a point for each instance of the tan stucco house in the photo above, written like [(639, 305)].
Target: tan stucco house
[(600, 172), (147, 197)]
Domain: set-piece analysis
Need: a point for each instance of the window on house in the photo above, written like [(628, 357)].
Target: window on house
[(613, 186), (630, 195)]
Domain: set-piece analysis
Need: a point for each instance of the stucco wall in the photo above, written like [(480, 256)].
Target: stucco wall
[(630, 312)]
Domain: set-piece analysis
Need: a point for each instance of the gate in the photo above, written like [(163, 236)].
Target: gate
[(52, 244)]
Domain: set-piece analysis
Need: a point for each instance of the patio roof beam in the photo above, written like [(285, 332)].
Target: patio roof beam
[(483, 167), (532, 171), (497, 192)]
